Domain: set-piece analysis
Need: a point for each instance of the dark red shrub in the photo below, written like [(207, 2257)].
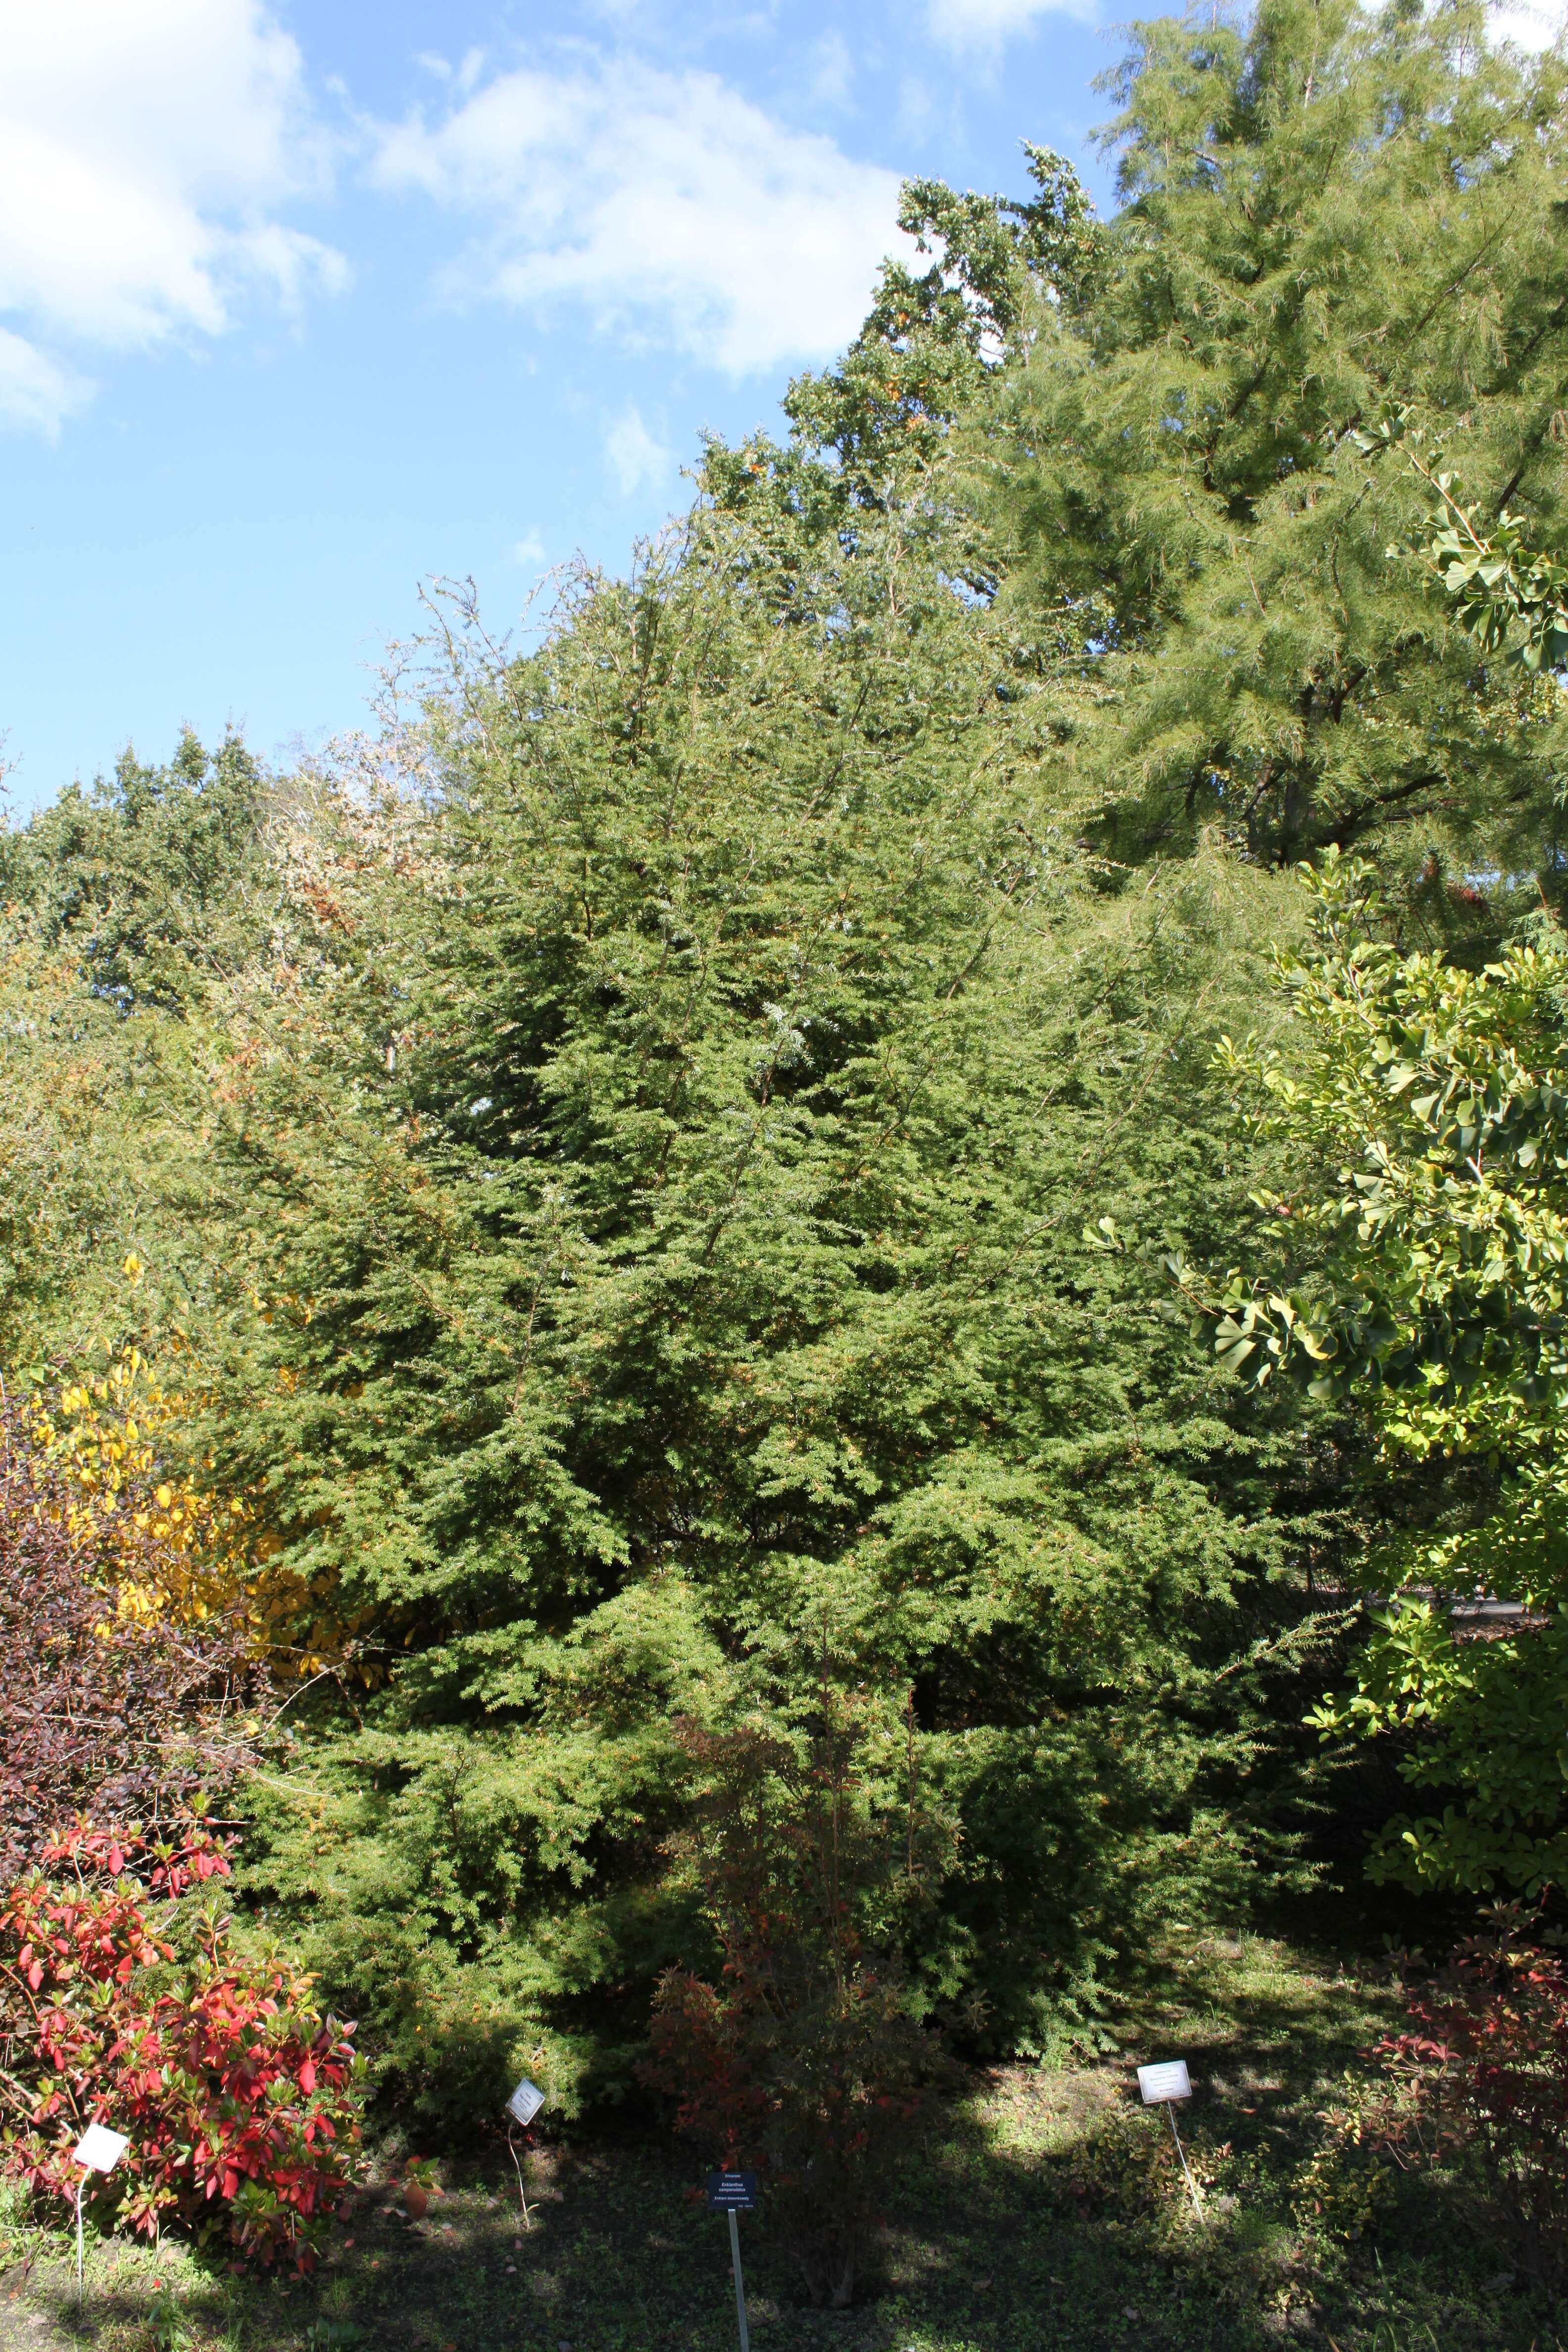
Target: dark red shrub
[(122, 2002), (803, 2060), (1481, 2074)]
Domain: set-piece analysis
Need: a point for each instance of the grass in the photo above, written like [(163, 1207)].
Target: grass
[(1043, 2212)]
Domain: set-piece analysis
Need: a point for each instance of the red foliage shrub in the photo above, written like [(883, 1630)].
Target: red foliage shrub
[(1482, 2071), (804, 2061), (97, 1712), (240, 2099)]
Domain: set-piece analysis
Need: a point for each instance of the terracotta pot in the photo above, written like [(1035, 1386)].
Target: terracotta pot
[(417, 2200)]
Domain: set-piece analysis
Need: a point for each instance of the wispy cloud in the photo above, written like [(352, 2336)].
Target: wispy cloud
[(34, 390), (144, 155), (637, 460), (668, 204), (986, 24), (832, 70), (462, 76)]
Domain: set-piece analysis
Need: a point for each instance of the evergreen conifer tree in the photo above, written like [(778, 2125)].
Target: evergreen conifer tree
[(674, 1183), (1329, 217)]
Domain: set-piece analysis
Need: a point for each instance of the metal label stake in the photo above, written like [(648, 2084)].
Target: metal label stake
[(732, 2193), (1162, 2086), (522, 2106), (521, 2191), (740, 2282), (1181, 2151)]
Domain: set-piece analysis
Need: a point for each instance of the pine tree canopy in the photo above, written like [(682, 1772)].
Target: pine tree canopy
[(1329, 219), (1160, 433)]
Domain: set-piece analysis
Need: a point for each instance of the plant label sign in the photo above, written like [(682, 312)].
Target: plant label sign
[(732, 2192), (525, 2102), (99, 2148), (1160, 2083)]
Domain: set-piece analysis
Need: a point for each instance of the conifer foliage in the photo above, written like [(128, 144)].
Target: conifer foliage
[(1330, 216), (685, 1208), (658, 1165)]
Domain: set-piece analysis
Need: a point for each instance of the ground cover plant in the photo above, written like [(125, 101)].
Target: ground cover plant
[(1044, 2208), (1480, 2067)]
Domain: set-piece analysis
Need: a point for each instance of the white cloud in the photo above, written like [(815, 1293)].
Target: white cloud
[(528, 551), (1529, 22), (637, 460), (144, 152), (986, 24), (36, 390), (666, 203)]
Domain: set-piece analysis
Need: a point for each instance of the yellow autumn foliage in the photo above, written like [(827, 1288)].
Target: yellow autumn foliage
[(186, 1553)]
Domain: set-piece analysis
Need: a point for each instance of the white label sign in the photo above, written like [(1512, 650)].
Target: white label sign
[(99, 2148), (525, 2102), (1167, 2082)]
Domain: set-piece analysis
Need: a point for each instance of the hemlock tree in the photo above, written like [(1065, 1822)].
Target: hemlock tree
[(664, 1192), (668, 1192)]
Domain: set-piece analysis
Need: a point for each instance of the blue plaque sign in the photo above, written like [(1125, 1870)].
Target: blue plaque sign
[(732, 2192)]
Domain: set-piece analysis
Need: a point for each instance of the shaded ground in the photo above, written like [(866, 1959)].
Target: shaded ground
[(1019, 2225)]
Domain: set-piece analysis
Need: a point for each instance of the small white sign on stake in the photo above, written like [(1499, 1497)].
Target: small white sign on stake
[(1163, 2086), (97, 2150), (525, 2102), (1169, 2081), (522, 2106)]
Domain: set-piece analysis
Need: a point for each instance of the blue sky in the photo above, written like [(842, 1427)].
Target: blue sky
[(302, 304)]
